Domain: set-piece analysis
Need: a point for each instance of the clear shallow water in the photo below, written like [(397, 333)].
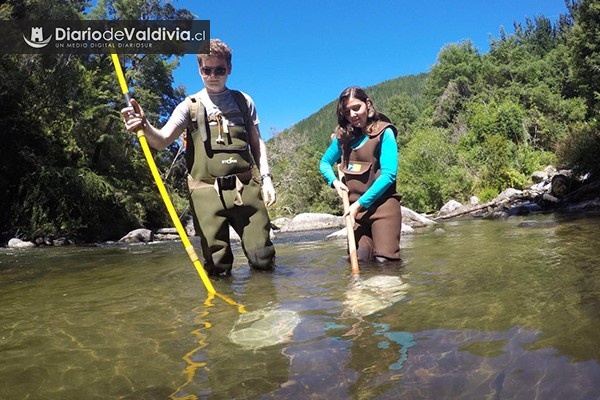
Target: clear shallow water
[(492, 310)]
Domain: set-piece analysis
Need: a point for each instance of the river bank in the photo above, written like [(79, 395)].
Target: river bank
[(553, 191)]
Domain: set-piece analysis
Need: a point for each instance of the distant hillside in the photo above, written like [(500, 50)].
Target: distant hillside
[(319, 126)]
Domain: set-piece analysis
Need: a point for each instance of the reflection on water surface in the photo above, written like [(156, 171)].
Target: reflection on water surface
[(503, 309)]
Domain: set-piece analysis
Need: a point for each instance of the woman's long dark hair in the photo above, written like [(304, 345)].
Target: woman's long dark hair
[(346, 133)]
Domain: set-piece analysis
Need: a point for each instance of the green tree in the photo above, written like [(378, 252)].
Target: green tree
[(403, 113), (584, 44), (300, 186), (455, 63), (67, 166), (581, 148)]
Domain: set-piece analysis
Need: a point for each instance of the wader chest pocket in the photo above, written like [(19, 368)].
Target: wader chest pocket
[(359, 170), (230, 152)]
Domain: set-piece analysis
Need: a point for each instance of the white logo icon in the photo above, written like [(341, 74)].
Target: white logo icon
[(229, 161), (37, 38)]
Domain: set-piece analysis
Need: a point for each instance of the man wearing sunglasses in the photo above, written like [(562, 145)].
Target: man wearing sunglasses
[(228, 173)]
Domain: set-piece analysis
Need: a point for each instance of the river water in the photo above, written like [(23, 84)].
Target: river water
[(492, 310)]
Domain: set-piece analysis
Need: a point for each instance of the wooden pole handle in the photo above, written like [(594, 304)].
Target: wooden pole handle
[(351, 239)]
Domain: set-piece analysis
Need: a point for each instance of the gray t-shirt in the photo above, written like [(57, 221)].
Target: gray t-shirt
[(223, 101)]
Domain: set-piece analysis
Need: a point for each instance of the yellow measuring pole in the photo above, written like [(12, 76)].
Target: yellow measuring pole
[(163, 191)]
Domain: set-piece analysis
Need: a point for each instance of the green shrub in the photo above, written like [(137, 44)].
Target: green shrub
[(424, 177), (580, 149)]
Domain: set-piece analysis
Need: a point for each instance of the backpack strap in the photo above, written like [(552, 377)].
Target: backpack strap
[(198, 112), (240, 99), (197, 116)]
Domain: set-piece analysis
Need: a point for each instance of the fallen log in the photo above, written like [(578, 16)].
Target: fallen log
[(583, 192), (472, 209)]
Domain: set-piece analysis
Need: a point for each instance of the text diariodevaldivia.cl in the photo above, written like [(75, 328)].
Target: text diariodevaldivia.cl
[(128, 34)]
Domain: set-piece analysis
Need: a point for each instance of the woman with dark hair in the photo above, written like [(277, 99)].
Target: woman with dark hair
[(364, 143)]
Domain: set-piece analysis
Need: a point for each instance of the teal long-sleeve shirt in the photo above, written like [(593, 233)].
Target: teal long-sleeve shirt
[(388, 161)]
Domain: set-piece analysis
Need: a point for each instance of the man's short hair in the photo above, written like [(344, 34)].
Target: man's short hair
[(217, 49)]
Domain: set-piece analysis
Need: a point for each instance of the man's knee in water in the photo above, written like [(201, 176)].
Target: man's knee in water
[(263, 258)]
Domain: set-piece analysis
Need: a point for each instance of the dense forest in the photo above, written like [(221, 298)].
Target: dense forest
[(474, 124)]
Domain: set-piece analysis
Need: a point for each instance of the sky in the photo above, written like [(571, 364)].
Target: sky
[(293, 57)]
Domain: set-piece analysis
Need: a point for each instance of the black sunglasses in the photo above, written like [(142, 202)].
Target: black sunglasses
[(219, 71)]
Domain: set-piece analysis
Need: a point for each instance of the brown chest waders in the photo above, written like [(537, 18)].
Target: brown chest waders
[(378, 228)]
